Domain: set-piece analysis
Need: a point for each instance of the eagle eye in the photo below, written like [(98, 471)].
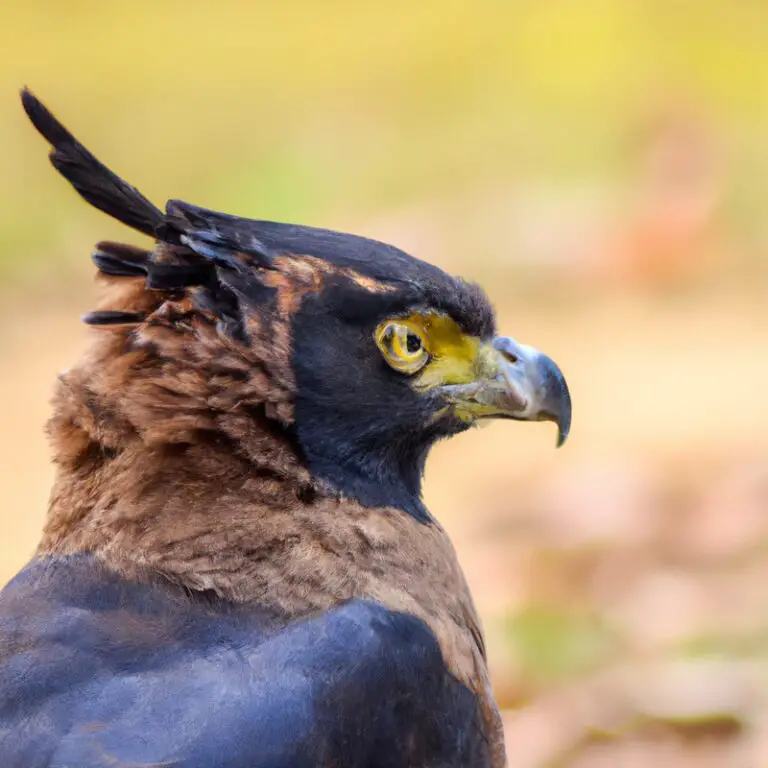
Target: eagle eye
[(403, 346)]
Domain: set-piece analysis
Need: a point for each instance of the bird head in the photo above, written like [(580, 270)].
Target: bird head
[(359, 354)]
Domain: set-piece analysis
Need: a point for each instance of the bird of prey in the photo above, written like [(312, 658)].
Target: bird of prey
[(237, 568)]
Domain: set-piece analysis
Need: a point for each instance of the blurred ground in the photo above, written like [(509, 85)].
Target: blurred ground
[(601, 168)]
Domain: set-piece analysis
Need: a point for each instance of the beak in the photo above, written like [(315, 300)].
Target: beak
[(515, 382)]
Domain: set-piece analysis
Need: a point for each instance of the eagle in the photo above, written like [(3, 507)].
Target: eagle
[(237, 569)]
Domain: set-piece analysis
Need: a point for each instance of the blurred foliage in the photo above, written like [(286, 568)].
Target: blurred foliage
[(552, 645), (602, 167), (329, 111)]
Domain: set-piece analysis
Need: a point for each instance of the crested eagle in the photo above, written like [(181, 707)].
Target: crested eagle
[(237, 569)]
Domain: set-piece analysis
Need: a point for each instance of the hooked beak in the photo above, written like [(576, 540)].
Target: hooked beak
[(515, 382)]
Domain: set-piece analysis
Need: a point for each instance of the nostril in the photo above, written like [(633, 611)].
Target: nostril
[(512, 352)]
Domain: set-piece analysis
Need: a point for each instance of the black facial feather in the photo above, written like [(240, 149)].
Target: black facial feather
[(361, 425), (467, 304)]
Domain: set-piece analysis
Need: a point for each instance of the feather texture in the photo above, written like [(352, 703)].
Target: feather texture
[(96, 184)]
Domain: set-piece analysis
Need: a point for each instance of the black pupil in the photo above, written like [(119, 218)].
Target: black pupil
[(412, 343)]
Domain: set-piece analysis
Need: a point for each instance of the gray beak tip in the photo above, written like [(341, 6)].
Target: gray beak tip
[(557, 398)]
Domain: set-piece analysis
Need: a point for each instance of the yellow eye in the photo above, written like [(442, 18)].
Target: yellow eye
[(403, 347)]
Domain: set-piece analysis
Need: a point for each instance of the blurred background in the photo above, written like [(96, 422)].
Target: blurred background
[(601, 166)]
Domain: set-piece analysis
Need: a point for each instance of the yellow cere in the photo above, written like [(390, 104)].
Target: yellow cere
[(446, 355)]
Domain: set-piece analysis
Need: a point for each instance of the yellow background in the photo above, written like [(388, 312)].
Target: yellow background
[(601, 166)]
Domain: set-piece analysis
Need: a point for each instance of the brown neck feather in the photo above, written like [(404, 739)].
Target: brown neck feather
[(174, 459)]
